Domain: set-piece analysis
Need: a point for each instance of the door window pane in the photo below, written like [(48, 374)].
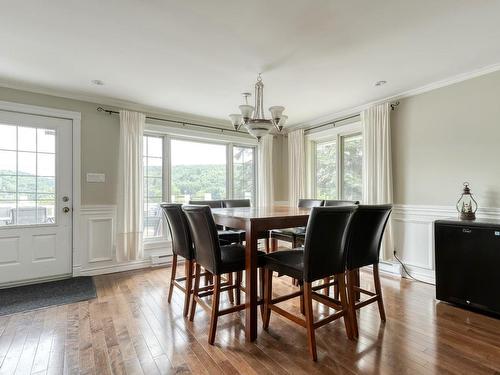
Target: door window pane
[(198, 171), (326, 170), (352, 166), (153, 186), (25, 154), (243, 173)]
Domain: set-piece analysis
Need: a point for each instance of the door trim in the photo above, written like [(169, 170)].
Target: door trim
[(75, 118)]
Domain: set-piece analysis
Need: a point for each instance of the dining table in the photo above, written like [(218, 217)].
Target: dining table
[(254, 221)]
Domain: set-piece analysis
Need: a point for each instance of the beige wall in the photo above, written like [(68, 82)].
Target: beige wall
[(445, 137), (99, 141)]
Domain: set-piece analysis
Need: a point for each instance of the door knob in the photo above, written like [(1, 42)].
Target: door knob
[(65, 199), (66, 210)]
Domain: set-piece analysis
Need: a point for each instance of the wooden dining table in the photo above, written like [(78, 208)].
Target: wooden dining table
[(255, 220)]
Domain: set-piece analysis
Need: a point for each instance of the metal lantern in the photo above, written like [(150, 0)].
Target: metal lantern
[(467, 205)]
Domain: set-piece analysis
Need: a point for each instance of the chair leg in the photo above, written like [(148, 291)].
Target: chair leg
[(345, 305), (261, 289), (311, 338), (302, 306), (336, 287), (378, 290), (195, 291), (215, 310), (358, 283), (230, 293), (172, 277), (268, 293), (274, 245), (351, 281), (238, 288), (326, 291), (188, 266)]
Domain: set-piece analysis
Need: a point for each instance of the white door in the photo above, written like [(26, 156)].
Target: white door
[(35, 197)]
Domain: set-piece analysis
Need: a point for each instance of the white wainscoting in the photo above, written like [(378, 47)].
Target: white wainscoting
[(97, 248), (413, 230)]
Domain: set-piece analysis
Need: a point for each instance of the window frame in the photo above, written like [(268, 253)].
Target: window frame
[(182, 134), (336, 134)]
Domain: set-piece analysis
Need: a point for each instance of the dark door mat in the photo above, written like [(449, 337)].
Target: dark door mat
[(61, 292)]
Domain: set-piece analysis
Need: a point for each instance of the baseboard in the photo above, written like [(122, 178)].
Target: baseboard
[(119, 267), (422, 274), (390, 268)]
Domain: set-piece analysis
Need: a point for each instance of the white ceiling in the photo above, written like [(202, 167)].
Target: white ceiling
[(316, 57)]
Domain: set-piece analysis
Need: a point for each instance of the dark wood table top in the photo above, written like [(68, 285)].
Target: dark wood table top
[(251, 213)]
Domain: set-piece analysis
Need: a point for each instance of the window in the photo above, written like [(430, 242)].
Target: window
[(27, 175), (337, 162), (153, 186), (244, 173), (198, 171), (352, 166), (178, 169), (326, 170)]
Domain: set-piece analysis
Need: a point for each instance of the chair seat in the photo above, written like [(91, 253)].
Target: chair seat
[(233, 258), (286, 262), (289, 234), (232, 236)]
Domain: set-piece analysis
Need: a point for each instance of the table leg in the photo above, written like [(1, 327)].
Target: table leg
[(251, 284)]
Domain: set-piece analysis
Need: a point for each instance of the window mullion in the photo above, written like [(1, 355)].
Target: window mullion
[(229, 171)]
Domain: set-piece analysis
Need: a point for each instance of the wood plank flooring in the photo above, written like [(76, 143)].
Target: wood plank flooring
[(131, 329)]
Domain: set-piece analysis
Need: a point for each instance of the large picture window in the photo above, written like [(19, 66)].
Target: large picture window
[(199, 171), (336, 166), (179, 170)]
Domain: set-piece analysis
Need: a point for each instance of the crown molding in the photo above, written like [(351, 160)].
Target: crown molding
[(115, 103), (335, 116)]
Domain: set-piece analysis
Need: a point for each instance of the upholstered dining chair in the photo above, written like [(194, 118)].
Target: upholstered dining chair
[(293, 235), (182, 246), (215, 259), (323, 256), (327, 282), (363, 248)]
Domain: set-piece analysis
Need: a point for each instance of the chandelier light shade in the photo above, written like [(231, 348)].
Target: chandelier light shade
[(253, 117)]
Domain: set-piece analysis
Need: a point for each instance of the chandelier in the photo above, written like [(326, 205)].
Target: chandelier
[(252, 118)]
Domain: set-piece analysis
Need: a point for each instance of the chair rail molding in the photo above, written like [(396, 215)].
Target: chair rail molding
[(97, 232), (413, 230)]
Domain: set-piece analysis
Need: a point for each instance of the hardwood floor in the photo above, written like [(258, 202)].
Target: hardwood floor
[(130, 328)]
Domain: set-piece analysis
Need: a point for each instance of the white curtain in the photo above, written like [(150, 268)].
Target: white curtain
[(377, 164), (265, 170), (296, 167), (130, 186)]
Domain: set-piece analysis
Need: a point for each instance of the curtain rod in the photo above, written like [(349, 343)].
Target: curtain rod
[(183, 123), (334, 123)]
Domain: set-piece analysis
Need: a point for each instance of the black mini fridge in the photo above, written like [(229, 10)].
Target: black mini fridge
[(468, 263)]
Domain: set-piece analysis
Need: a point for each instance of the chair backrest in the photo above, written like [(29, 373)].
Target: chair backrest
[(232, 203), (182, 243), (338, 203), (365, 235), (324, 246), (309, 203), (205, 238), (211, 204)]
